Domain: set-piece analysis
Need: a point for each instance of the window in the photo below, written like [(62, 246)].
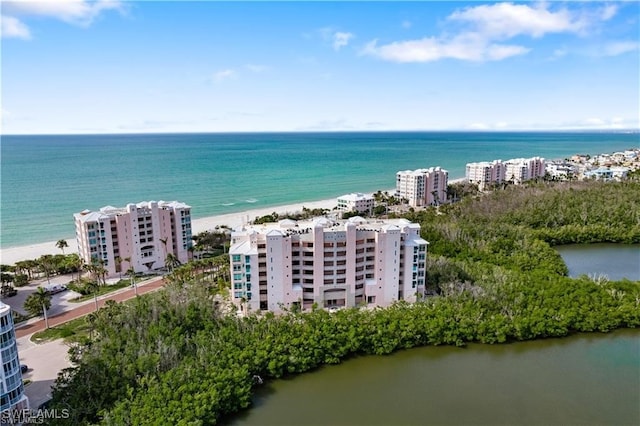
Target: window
[(236, 258)]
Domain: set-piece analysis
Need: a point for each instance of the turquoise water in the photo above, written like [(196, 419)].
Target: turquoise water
[(45, 179)]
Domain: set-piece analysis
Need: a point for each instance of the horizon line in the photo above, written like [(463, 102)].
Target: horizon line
[(226, 132)]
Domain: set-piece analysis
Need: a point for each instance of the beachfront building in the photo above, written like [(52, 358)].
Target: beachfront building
[(12, 392), (138, 236), (356, 202), (333, 264), (518, 170), (607, 173), (486, 173), (561, 169), (423, 187)]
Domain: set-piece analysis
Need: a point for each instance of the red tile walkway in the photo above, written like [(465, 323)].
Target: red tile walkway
[(86, 309)]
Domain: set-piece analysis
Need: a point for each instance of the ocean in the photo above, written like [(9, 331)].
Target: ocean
[(46, 179)]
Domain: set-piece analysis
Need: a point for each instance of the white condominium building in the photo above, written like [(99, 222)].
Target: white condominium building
[(423, 187), (332, 263), (486, 173), (358, 202), (519, 170), (12, 392), (138, 235)]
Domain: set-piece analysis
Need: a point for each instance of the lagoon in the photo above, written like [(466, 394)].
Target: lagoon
[(615, 261), (586, 379)]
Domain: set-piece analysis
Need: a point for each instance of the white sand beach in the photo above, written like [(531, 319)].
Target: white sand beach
[(14, 254)]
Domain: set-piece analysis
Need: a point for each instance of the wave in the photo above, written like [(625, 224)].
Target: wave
[(251, 200), (228, 204)]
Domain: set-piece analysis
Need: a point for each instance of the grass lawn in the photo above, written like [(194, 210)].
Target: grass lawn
[(103, 289), (72, 331)]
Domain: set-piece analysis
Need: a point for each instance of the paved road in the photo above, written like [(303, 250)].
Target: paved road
[(33, 327)]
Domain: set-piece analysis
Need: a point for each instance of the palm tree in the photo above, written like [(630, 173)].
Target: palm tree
[(92, 287), (118, 261), (92, 318), (62, 244), (38, 303), (171, 261), (99, 270), (164, 244), (47, 264), (132, 275), (77, 263)]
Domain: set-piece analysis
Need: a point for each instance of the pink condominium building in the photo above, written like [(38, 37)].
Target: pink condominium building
[(516, 170), (423, 187), (341, 263), (138, 235), (486, 173)]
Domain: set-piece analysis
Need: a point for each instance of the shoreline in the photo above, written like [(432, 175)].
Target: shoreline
[(11, 255)]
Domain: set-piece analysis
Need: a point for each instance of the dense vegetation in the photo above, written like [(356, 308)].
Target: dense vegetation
[(175, 357)]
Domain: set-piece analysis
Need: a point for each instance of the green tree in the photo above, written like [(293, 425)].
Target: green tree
[(132, 276), (47, 264), (118, 260), (92, 287), (62, 244), (171, 261), (38, 303)]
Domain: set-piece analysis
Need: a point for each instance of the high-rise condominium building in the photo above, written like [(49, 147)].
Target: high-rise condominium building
[(332, 263), (485, 173), (138, 235), (519, 170), (13, 397), (356, 202), (423, 187)]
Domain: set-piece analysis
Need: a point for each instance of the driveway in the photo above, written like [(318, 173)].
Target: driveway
[(45, 361)]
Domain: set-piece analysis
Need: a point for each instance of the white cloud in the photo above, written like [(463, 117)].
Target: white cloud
[(619, 47), (466, 47), (11, 27), (78, 12), (506, 20), (341, 39), (609, 12), (485, 30), (559, 53), (338, 39), (224, 75), (478, 126), (257, 68)]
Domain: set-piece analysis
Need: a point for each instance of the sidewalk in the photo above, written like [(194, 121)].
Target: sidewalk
[(34, 325)]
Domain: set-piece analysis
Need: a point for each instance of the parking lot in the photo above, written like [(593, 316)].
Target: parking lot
[(44, 360), (60, 302)]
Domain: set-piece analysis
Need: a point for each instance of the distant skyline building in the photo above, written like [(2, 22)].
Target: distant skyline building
[(485, 173), (356, 202), (12, 393), (516, 170), (520, 170), (342, 263), (423, 187), (140, 235)]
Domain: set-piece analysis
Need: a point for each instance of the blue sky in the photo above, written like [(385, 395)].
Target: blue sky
[(129, 67)]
